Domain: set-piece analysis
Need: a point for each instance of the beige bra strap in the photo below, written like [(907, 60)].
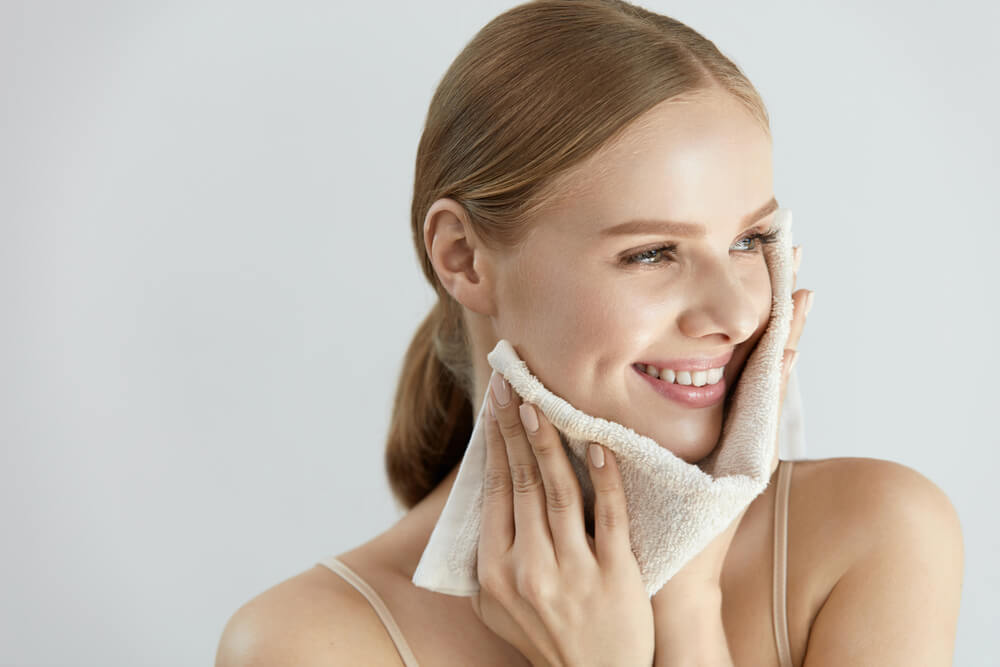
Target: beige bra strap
[(780, 597), (352, 577)]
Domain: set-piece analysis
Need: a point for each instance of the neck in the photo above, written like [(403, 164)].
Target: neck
[(408, 537), (434, 501)]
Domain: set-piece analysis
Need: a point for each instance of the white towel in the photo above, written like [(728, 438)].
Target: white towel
[(675, 508)]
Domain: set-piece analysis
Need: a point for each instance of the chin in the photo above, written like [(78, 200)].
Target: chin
[(696, 448), (696, 454)]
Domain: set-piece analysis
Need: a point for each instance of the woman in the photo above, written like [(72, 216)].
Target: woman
[(556, 145)]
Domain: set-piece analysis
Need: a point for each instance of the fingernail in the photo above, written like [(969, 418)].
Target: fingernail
[(809, 301), (528, 417), (596, 455), (791, 364), (798, 257), (501, 392)]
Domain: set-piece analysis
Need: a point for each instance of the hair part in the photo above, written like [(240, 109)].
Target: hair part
[(537, 91)]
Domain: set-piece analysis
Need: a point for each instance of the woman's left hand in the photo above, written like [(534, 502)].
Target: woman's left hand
[(700, 577)]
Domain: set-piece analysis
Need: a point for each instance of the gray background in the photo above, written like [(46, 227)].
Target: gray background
[(207, 284)]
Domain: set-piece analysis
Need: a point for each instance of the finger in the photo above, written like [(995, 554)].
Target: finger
[(799, 301), (611, 533), (792, 343), (530, 521), (563, 498), (497, 527), (787, 361)]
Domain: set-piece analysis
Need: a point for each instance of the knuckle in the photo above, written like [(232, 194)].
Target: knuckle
[(525, 477), (509, 428), (560, 496), (608, 486), (534, 586), (544, 447), (608, 516), (492, 580), (496, 483)]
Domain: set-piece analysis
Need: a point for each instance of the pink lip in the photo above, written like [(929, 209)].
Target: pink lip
[(688, 395), (701, 364)]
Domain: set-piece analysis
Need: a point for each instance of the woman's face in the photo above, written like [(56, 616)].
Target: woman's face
[(584, 300)]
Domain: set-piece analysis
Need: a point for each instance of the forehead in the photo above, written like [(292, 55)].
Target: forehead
[(702, 159)]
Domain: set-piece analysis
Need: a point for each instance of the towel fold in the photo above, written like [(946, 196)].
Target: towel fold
[(675, 508)]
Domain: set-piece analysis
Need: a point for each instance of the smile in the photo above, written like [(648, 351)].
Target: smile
[(694, 378), (681, 386)]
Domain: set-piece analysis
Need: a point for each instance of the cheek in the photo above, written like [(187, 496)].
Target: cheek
[(576, 333), (568, 327), (564, 311)]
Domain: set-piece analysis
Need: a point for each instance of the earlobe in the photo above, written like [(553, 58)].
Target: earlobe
[(459, 259)]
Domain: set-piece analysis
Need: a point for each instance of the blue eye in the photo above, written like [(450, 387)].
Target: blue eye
[(649, 257), (642, 257)]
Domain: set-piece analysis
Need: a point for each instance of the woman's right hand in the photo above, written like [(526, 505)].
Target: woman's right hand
[(545, 587)]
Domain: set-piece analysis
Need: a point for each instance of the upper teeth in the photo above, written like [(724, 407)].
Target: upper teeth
[(696, 378)]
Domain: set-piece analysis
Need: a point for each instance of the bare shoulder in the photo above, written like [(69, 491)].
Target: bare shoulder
[(891, 546), (873, 501), (312, 618)]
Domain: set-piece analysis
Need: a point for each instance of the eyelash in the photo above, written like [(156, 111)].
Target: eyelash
[(769, 236)]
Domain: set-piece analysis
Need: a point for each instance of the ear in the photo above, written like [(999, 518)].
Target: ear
[(462, 263)]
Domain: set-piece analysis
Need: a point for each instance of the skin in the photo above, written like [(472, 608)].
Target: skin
[(875, 549), (580, 319)]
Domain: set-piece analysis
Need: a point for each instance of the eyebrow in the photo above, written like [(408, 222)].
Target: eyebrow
[(687, 229)]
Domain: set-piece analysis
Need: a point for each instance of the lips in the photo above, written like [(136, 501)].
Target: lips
[(686, 395)]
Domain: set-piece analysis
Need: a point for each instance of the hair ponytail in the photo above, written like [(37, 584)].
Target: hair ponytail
[(431, 407)]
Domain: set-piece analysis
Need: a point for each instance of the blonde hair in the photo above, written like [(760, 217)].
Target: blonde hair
[(535, 92)]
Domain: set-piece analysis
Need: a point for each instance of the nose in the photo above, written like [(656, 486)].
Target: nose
[(720, 304)]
